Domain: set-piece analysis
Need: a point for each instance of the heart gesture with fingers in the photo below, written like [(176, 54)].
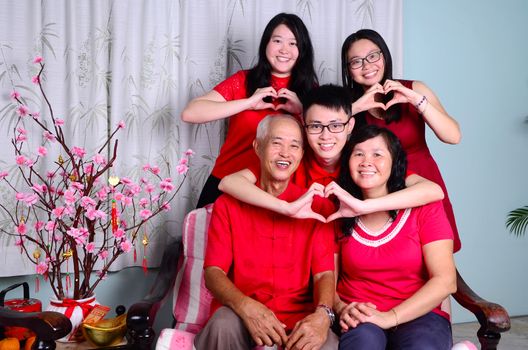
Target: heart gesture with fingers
[(401, 93)]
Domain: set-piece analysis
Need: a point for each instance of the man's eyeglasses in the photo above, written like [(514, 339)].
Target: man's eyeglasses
[(358, 62), (318, 128)]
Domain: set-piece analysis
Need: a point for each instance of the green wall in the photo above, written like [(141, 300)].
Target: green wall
[(474, 55)]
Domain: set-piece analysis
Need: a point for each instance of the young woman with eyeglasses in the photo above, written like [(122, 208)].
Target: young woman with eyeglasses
[(402, 106)]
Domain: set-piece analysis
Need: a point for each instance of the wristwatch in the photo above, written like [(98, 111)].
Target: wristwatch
[(329, 312)]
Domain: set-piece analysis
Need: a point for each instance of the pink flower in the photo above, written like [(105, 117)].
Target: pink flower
[(42, 268), (38, 59), (21, 130), (146, 167), (50, 226), (39, 225), (119, 233), (90, 247), (149, 188), (126, 246), (77, 185), (99, 159), (135, 189), (40, 188), (35, 79), (121, 124), (183, 161), (182, 169), (49, 136), (77, 234), (42, 151), (87, 202), (103, 254), (50, 175), (21, 228), (31, 199), (166, 206), (118, 196), (58, 212), (88, 168), (78, 151), (15, 95), (20, 160), (21, 138), (126, 181), (3, 174), (69, 197), (35, 115), (20, 196), (22, 111), (19, 242), (166, 185), (59, 122), (143, 202), (127, 201), (102, 193), (155, 170), (145, 214), (189, 153)]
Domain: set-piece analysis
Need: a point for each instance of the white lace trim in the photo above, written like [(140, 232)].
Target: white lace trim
[(387, 238)]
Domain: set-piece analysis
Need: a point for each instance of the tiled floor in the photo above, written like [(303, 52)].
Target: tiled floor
[(515, 339)]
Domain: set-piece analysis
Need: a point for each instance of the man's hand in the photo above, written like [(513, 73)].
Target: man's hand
[(310, 332), (262, 324)]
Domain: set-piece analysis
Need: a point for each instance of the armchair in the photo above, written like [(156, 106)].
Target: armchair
[(182, 265)]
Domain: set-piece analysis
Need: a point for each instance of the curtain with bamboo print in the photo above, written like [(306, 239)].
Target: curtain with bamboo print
[(141, 61)]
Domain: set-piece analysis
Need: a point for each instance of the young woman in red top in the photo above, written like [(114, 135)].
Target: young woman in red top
[(282, 76), (402, 106)]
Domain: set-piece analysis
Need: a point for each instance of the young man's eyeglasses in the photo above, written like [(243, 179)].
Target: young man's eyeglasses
[(318, 128), (358, 62)]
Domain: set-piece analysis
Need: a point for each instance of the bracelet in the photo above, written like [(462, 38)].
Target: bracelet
[(396, 317), (328, 311), (419, 104)]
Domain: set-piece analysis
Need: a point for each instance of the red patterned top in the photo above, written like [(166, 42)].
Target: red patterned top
[(237, 152)]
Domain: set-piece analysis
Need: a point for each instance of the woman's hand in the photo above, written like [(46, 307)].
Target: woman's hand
[(257, 99), (401, 94), (349, 206), (355, 313), (370, 100), (292, 103)]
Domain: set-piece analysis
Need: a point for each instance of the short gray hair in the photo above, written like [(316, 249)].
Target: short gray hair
[(264, 126)]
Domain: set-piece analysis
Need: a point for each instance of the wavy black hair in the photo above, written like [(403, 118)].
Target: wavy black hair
[(303, 77), (396, 179), (393, 113)]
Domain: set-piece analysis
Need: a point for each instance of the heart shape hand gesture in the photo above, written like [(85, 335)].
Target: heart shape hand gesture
[(385, 96), (269, 98), (349, 206)]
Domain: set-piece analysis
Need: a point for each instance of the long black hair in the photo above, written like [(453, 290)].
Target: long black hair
[(303, 77), (396, 179), (393, 113)]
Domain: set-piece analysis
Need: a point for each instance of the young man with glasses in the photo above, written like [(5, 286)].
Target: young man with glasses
[(328, 122)]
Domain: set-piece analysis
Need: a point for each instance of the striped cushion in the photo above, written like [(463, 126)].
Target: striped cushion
[(191, 299)]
